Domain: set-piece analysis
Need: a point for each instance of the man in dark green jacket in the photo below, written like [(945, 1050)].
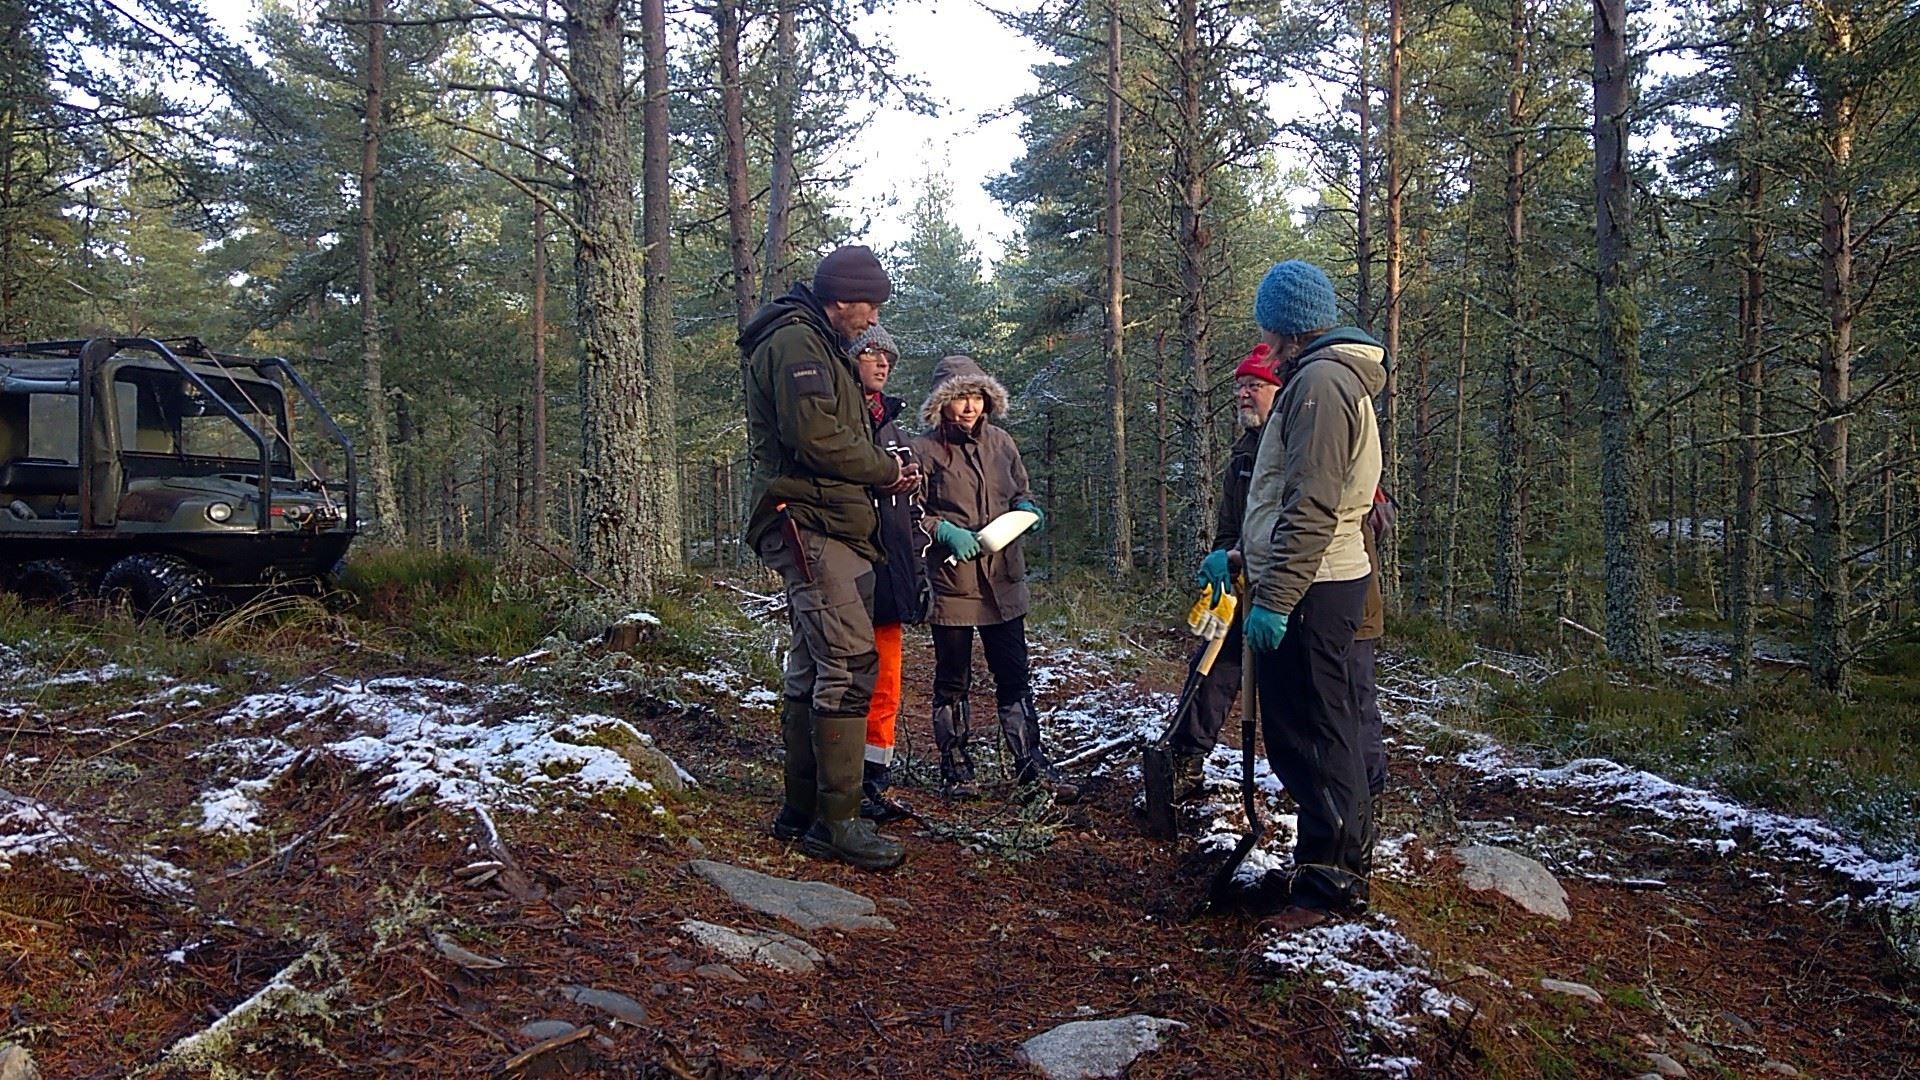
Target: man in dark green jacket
[(813, 521)]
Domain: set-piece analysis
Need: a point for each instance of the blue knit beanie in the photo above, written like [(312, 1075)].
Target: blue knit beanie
[(1294, 298)]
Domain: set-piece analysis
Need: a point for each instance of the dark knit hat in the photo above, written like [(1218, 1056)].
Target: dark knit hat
[(852, 274), (1258, 364), (1295, 297), (875, 338)]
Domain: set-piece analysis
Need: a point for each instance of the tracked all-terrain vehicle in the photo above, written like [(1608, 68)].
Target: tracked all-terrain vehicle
[(163, 473)]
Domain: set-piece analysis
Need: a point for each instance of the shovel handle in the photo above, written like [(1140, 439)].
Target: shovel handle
[(1207, 658)]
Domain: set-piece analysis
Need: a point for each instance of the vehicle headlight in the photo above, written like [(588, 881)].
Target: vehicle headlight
[(219, 511), (298, 513)]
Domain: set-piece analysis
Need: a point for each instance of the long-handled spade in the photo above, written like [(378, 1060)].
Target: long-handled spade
[(1156, 761), (1221, 891)]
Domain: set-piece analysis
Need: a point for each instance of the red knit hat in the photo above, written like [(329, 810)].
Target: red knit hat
[(1256, 365)]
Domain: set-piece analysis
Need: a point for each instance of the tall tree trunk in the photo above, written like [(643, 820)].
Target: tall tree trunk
[(657, 264), (773, 257), (386, 502), (733, 138), (1122, 552), (539, 315), (1449, 573), (1196, 315), (1832, 587), (1396, 253), (1631, 637), (1160, 484), (1363, 182), (629, 535), (1511, 474)]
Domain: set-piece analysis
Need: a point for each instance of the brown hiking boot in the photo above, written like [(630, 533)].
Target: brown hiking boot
[(1293, 918)]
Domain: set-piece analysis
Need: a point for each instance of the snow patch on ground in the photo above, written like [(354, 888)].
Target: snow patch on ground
[(1383, 975), (1091, 702), (31, 827), (1893, 883), (437, 738)]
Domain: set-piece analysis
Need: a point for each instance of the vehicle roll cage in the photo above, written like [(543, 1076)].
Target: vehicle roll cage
[(90, 353)]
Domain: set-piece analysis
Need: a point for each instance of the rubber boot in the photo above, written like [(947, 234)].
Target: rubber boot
[(1020, 724), (875, 806), (951, 728), (802, 787), (838, 830)]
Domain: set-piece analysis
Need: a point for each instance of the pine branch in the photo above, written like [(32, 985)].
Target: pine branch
[(524, 188), (539, 155)]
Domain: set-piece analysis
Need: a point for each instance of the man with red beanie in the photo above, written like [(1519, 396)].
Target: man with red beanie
[(1255, 385)]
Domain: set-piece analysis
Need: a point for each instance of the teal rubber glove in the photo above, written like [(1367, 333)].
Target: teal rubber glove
[(1264, 628), (961, 542), (1033, 508), (1213, 573)]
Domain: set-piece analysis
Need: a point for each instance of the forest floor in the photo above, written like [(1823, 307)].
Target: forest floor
[(369, 863)]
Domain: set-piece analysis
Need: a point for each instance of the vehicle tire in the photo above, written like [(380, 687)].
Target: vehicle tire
[(50, 581), (157, 587)]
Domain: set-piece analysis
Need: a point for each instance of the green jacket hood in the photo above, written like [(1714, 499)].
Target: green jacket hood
[(798, 305)]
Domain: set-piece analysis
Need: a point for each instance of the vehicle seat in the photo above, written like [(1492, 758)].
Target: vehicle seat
[(39, 476)]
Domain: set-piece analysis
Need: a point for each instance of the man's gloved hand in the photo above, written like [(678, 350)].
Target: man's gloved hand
[(1213, 573), (1265, 627), (961, 542), (1033, 508)]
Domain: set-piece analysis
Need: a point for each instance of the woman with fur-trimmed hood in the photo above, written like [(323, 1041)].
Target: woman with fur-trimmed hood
[(974, 474)]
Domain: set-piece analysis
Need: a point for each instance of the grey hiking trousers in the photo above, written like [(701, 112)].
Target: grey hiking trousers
[(832, 661)]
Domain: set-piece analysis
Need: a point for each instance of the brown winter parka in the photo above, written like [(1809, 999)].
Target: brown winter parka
[(972, 478)]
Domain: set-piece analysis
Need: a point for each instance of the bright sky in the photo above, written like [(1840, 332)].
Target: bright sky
[(968, 63), (974, 68)]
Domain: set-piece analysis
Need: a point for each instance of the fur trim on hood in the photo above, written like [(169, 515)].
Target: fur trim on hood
[(957, 376)]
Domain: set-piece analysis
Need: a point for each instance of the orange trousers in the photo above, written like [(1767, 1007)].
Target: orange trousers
[(884, 708)]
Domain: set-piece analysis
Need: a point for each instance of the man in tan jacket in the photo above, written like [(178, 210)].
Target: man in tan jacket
[(1308, 573)]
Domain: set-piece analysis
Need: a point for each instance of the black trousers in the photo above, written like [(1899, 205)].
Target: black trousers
[(1198, 729), (1366, 707), (1005, 645), (1314, 743)]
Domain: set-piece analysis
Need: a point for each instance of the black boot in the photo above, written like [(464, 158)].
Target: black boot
[(951, 728), (802, 786), (874, 804), (1020, 724), (838, 830)]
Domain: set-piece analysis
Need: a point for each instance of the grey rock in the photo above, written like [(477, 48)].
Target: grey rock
[(1580, 990), (1778, 1068), (1485, 868), (1698, 1056), (720, 973), (541, 1030), (16, 1063), (619, 1006), (1739, 1025), (810, 905), (1666, 1066), (650, 763), (768, 948), (1094, 1048)]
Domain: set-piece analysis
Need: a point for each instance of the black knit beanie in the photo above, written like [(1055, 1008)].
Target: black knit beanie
[(852, 274)]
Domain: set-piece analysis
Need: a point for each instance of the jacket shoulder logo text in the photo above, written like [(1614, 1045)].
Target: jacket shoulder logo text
[(809, 379)]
